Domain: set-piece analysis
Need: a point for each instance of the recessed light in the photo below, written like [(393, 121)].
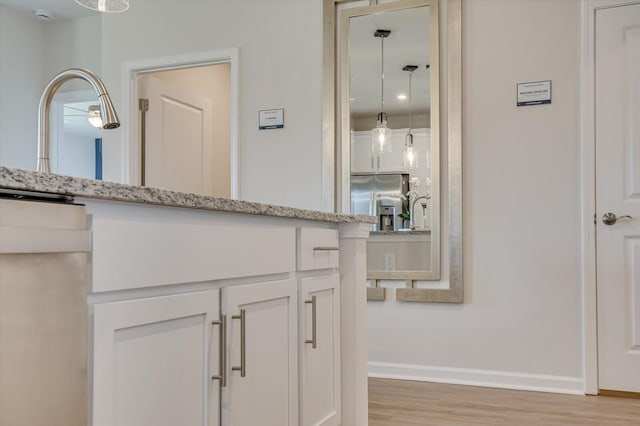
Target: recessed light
[(402, 97)]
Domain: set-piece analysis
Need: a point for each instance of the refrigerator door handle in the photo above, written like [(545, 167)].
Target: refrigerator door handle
[(371, 204)]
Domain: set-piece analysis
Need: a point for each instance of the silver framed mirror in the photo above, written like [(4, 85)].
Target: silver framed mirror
[(362, 83)]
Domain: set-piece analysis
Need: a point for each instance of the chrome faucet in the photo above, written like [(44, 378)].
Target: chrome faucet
[(412, 224), (107, 111)]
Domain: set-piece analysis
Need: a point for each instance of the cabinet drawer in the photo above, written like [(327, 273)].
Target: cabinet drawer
[(141, 252), (317, 248)]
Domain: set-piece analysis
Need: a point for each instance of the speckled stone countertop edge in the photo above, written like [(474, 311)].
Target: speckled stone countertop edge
[(28, 180), (412, 232)]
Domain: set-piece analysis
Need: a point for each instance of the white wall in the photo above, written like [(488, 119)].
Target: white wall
[(22, 78), (73, 43), (31, 53), (520, 325), (280, 45)]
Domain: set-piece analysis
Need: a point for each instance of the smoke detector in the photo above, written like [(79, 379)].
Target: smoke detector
[(42, 14)]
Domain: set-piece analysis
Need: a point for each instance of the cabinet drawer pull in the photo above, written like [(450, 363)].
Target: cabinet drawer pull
[(313, 340), (222, 352), (243, 337), (321, 248)]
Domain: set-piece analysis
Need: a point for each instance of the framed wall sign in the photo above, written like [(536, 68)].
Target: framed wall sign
[(270, 119), (534, 93)]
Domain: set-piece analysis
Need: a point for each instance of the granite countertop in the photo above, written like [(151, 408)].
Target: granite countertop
[(26, 180)]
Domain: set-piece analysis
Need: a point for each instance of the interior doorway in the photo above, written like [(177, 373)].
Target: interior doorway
[(178, 123), (185, 132), (76, 144)]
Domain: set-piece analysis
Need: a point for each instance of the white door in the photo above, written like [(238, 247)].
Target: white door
[(618, 192), (179, 138), (262, 361), (320, 350), (154, 359)]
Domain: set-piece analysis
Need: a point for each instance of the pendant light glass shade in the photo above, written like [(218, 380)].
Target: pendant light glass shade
[(410, 157), (111, 6), (381, 134), (95, 118)]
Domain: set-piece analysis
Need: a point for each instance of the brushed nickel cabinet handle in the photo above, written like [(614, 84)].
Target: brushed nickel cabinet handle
[(326, 248), (222, 376), (243, 350), (313, 340)]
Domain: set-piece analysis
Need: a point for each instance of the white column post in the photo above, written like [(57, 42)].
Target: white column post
[(353, 328)]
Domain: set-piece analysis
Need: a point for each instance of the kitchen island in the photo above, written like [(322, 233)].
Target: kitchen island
[(209, 311)]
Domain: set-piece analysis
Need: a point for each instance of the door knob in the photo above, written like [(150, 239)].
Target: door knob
[(611, 218)]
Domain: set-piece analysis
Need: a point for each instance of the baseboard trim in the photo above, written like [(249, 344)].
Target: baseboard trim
[(472, 377), (619, 394)]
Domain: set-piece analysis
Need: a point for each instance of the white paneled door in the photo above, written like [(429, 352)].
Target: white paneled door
[(617, 127), (179, 138)]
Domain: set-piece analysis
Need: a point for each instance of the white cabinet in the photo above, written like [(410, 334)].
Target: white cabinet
[(394, 161), (362, 157), (262, 354), (165, 281), (320, 350), (153, 359), (363, 160)]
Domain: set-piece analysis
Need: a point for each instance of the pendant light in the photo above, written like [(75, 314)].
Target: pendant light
[(94, 116), (410, 158), (381, 135), (112, 6)]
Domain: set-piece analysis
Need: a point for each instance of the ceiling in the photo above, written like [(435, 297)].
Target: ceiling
[(408, 44)]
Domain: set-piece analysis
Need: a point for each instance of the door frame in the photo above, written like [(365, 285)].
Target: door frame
[(57, 120), (588, 189), (131, 71)]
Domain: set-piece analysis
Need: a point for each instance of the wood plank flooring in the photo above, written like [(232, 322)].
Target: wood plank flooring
[(398, 403)]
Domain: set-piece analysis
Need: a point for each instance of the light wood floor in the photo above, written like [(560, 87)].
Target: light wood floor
[(398, 403)]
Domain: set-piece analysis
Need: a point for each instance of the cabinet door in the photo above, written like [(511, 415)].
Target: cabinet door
[(320, 350), (262, 348), (362, 159), (153, 361), (394, 161)]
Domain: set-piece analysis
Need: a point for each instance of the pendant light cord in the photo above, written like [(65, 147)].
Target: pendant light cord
[(410, 100), (382, 75)]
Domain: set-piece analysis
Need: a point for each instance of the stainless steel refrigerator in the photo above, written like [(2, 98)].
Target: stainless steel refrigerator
[(383, 195)]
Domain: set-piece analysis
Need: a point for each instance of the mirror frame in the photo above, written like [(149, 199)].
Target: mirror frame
[(335, 155)]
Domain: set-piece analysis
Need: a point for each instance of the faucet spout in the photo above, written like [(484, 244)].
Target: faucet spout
[(109, 116), (412, 224)]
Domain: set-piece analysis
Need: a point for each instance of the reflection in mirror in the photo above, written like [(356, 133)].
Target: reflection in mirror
[(412, 254), (393, 139)]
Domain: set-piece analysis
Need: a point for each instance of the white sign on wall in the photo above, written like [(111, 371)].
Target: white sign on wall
[(271, 119), (534, 93)]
